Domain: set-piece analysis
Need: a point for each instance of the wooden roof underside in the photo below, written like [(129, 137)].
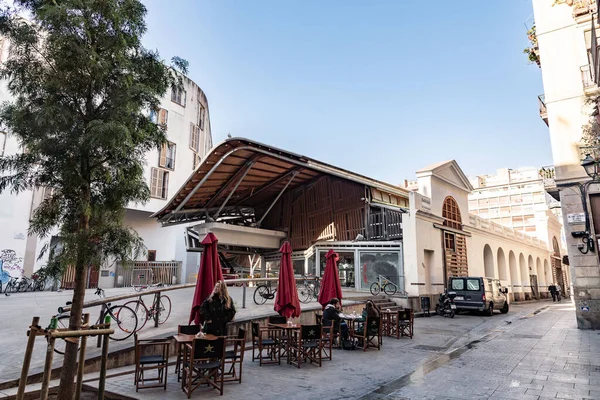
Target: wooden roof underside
[(240, 174)]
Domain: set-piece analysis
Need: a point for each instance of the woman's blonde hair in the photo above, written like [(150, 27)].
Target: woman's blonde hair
[(220, 290)]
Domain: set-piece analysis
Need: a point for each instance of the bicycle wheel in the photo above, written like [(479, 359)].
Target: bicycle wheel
[(375, 288), (389, 289), (125, 320), (164, 305), (304, 294), (10, 288), (141, 312), (260, 294), (61, 344)]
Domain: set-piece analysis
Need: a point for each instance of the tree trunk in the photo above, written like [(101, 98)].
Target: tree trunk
[(69, 368)]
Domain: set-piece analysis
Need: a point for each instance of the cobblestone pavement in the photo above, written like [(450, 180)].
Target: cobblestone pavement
[(18, 309), (534, 352)]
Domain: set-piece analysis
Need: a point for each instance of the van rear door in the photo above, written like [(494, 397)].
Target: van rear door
[(458, 286)]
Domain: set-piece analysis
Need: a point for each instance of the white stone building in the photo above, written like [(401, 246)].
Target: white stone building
[(567, 45), (189, 133)]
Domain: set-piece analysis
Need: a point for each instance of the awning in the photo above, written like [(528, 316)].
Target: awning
[(239, 175)]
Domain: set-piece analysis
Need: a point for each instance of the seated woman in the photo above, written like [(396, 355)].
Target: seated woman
[(369, 311), (332, 314)]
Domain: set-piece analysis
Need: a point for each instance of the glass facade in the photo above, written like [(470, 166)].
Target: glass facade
[(384, 263)]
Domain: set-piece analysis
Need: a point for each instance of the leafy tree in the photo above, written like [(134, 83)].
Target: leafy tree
[(82, 86)]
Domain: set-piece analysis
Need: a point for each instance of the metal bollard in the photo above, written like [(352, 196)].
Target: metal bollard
[(244, 295)]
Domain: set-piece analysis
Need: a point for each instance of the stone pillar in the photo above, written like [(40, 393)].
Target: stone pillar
[(585, 268)]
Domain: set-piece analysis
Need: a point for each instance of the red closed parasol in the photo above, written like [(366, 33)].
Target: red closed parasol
[(208, 275), (330, 286), (286, 300)]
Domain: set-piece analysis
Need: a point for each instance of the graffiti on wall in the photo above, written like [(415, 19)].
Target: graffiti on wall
[(11, 264)]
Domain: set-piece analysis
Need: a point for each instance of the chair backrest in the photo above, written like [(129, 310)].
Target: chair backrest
[(277, 319), (403, 315), (204, 348), (241, 334), (319, 318), (188, 329), (255, 330), (373, 324), (310, 332)]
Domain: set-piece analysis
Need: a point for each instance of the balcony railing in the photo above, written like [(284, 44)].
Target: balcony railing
[(586, 77), (593, 151), (548, 175), (584, 7), (542, 105)]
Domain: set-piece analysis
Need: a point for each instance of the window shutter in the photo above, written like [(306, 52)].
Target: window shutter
[(154, 183), (165, 185), (163, 116), (162, 159)]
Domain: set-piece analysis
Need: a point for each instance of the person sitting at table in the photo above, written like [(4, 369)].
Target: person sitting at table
[(332, 314), (369, 311), (217, 310)]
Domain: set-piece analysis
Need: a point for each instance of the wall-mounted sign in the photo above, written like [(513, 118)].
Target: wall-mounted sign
[(577, 218)]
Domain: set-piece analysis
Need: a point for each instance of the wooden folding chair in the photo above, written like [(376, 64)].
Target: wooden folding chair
[(206, 365), (307, 346), (186, 330), (406, 319), (156, 360), (368, 332), (327, 338), (266, 339), (235, 356)]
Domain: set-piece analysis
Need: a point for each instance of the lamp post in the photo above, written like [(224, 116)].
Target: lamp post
[(590, 165)]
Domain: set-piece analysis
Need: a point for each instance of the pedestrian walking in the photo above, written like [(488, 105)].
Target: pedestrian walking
[(552, 290), (558, 293)]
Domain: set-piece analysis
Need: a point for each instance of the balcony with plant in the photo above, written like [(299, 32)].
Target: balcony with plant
[(532, 51)]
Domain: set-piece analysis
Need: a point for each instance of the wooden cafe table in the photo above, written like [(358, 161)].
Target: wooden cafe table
[(288, 329)]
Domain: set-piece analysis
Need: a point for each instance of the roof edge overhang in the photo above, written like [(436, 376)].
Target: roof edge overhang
[(231, 146)]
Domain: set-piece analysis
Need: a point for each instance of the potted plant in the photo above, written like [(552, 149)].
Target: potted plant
[(533, 53)]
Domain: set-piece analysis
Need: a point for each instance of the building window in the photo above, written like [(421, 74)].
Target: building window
[(451, 213), (159, 183), (178, 96), (163, 116), (201, 116), (450, 241), (194, 137), (3, 139), (167, 156), (153, 116), (197, 160), (151, 255)]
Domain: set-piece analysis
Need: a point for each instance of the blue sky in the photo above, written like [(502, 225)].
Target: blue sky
[(381, 88)]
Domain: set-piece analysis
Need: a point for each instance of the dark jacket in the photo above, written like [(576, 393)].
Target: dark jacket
[(365, 314), (552, 289), (216, 316), (331, 314)]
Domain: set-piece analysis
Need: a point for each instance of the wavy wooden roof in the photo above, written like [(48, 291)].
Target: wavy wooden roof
[(240, 173)]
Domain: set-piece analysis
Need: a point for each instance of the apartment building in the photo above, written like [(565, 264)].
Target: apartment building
[(565, 42), (515, 198), (185, 113)]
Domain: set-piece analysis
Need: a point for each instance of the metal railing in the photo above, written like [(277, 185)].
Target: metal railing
[(583, 7), (143, 273), (548, 175), (587, 78), (542, 105)]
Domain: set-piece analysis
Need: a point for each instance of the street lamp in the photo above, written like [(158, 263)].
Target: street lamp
[(591, 166)]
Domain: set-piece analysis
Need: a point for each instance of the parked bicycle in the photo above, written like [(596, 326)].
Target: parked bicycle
[(11, 286), (25, 284), (123, 320), (309, 290), (384, 284), (264, 292), (162, 307)]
